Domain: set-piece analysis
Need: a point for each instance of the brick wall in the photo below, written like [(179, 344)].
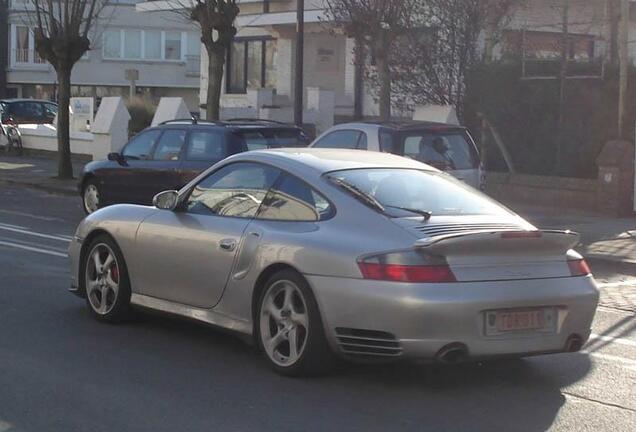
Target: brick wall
[(563, 192)]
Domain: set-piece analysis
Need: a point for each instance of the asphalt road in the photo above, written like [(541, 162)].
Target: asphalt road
[(62, 371)]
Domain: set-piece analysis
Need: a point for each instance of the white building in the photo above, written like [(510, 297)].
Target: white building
[(263, 53), (164, 49)]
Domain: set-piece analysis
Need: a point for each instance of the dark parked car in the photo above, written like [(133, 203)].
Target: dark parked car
[(168, 156), (27, 111)]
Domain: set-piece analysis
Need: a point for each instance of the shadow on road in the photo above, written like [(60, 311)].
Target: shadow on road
[(168, 374)]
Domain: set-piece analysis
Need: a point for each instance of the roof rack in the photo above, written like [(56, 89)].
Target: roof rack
[(249, 120), (192, 120)]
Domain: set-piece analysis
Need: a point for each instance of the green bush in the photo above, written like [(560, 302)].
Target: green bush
[(526, 115), (141, 110)]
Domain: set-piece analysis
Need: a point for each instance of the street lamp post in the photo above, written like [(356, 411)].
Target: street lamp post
[(298, 80)]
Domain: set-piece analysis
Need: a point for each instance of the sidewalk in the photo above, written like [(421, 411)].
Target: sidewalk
[(602, 238), (37, 172)]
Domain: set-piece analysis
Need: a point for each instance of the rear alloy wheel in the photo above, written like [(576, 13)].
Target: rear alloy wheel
[(90, 197), (290, 328), (106, 281)]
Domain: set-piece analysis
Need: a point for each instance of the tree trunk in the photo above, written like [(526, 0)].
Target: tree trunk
[(215, 79), (64, 165), (384, 73)]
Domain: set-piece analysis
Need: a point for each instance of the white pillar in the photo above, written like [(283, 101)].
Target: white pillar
[(110, 128)]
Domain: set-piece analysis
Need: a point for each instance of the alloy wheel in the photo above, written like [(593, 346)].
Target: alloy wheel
[(91, 198), (284, 323), (102, 279)]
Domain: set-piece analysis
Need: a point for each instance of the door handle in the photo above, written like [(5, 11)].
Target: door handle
[(228, 244)]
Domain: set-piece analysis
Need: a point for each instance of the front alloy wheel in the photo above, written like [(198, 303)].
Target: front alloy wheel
[(106, 280)]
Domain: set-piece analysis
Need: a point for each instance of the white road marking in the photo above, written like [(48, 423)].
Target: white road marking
[(615, 340), (44, 218), (35, 234), (33, 249), (12, 226)]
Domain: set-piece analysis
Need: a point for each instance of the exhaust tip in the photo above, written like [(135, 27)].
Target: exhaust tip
[(452, 353), (574, 343)]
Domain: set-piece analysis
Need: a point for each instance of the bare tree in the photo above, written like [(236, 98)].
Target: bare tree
[(377, 26), (61, 29), (215, 19), (432, 63)]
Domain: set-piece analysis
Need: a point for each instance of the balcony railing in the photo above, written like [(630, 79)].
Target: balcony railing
[(25, 56)]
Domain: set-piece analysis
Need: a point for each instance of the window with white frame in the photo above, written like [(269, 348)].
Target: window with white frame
[(132, 44), (172, 50), (23, 46)]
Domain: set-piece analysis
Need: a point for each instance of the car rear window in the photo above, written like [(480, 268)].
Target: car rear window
[(263, 138), (446, 150), (399, 190)]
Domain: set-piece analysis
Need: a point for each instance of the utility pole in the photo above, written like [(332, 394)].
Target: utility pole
[(300, 48), (623, 60), (563, 76)]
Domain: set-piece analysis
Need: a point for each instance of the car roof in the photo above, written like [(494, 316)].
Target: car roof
[(323, 160), (240, 124), (402, 125), (26, 100)]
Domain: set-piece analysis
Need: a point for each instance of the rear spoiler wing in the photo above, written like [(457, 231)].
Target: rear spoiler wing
[(502, 241)]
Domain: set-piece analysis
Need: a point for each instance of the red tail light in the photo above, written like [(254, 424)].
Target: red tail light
[(579, 267), (407, 273)]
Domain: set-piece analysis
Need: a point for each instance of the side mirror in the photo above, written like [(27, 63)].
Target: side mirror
[(115, 157), (166, 200)]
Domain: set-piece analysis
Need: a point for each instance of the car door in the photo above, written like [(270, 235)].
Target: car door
[(204, 148), (121, 182), (162, 172), (186, 256)]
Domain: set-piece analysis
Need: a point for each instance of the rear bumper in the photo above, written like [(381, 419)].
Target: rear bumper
[(423, 319)]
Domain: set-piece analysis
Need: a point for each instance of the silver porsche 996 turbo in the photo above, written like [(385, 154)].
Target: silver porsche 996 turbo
[(319, 253)]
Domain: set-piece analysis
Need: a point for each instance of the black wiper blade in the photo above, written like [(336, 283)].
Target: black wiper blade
[(425, 213), (359, 193)]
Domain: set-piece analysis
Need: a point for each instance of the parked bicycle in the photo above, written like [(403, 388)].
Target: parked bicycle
[(12, 137)]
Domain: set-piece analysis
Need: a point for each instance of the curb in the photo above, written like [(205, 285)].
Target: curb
[(626, 266), (44, 187)]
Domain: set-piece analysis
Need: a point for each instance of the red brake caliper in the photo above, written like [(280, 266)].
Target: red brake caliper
[(114, 273)]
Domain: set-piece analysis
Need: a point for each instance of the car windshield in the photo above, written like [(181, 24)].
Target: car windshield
[(446, 150), (415, 192)]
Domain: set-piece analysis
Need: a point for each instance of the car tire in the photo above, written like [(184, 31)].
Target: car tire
[(288, 311), (105, 281), (90, 196)]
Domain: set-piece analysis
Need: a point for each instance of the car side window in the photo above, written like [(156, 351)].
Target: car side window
[(170, 145), (207, 146), (236, 190), (291, 199), (140, 147), (342, 139)]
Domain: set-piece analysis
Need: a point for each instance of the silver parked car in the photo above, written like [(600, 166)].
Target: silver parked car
[(359, 254), (447, 147)]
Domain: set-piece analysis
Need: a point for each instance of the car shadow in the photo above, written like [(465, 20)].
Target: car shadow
[(197, 367)]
